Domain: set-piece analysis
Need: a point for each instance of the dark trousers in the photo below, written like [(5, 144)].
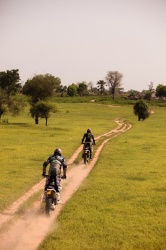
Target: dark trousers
[(89, 145), (50, 180)]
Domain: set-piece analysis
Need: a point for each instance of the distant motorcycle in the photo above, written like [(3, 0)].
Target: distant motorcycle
[(86, 152)]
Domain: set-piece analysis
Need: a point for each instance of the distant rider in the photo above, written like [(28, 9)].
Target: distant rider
[(56, 161), (88, 137)]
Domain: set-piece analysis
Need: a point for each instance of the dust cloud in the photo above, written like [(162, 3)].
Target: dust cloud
[(27, 232)]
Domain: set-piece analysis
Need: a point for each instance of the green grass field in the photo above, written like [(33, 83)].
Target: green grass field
[(121, 205), (25, 146)]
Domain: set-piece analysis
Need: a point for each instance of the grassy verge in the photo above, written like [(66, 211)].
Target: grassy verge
[(121, 205), (25, 146)]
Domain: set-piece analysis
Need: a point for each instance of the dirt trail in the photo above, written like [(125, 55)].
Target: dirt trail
[(30, 228)]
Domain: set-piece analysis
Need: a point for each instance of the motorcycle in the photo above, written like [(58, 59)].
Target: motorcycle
[(86, 152), (50, 198)]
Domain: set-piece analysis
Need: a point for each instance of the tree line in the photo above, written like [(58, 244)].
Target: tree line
[(41, 87)]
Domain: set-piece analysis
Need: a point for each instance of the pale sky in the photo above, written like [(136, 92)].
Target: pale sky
[(81, 40)]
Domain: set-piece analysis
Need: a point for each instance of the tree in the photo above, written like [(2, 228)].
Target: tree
[(101, 86), (9, 87), (148, 93), (114, 78), (72, 89), (3, 102), (41, 110), (133, 94), (151, 89), (55, 81), (45, 110), (35, 113), (10, 81), (141, 110), (161, 91), (63, 90), (16, 106), (90, 86), (40, 87), (82, 88)]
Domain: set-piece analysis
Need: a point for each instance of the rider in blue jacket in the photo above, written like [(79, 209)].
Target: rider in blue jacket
[(56, 161)]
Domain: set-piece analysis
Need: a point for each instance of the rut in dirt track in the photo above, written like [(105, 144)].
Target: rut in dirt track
[(29, 229)]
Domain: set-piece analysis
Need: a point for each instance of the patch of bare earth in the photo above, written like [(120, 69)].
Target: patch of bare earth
[(26, 231)]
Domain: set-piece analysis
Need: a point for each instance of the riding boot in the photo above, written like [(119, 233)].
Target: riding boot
[(57, 197), (59, 183)]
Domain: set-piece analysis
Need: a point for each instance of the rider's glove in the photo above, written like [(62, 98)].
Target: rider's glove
[(44, 174)]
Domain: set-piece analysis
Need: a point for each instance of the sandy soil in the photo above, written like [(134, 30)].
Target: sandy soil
[(26, 231)]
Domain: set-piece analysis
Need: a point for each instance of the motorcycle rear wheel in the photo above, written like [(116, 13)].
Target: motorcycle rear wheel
[(48, 206), (85, 159)]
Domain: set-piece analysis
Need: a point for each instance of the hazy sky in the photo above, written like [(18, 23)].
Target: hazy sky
[(81, 40)]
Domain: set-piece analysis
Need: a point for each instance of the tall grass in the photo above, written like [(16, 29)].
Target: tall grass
[(121, 205), (24, 146)]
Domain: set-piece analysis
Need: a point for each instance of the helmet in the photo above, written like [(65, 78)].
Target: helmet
[(88, 130), (58, 151)]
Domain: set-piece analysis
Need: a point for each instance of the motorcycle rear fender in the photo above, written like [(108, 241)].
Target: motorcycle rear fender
[(51, 192)]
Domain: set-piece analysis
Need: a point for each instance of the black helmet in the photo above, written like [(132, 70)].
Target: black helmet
[(88, 130), (58, 151)]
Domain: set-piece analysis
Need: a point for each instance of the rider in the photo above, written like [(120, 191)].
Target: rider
[(89, 138), (56, 161)]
